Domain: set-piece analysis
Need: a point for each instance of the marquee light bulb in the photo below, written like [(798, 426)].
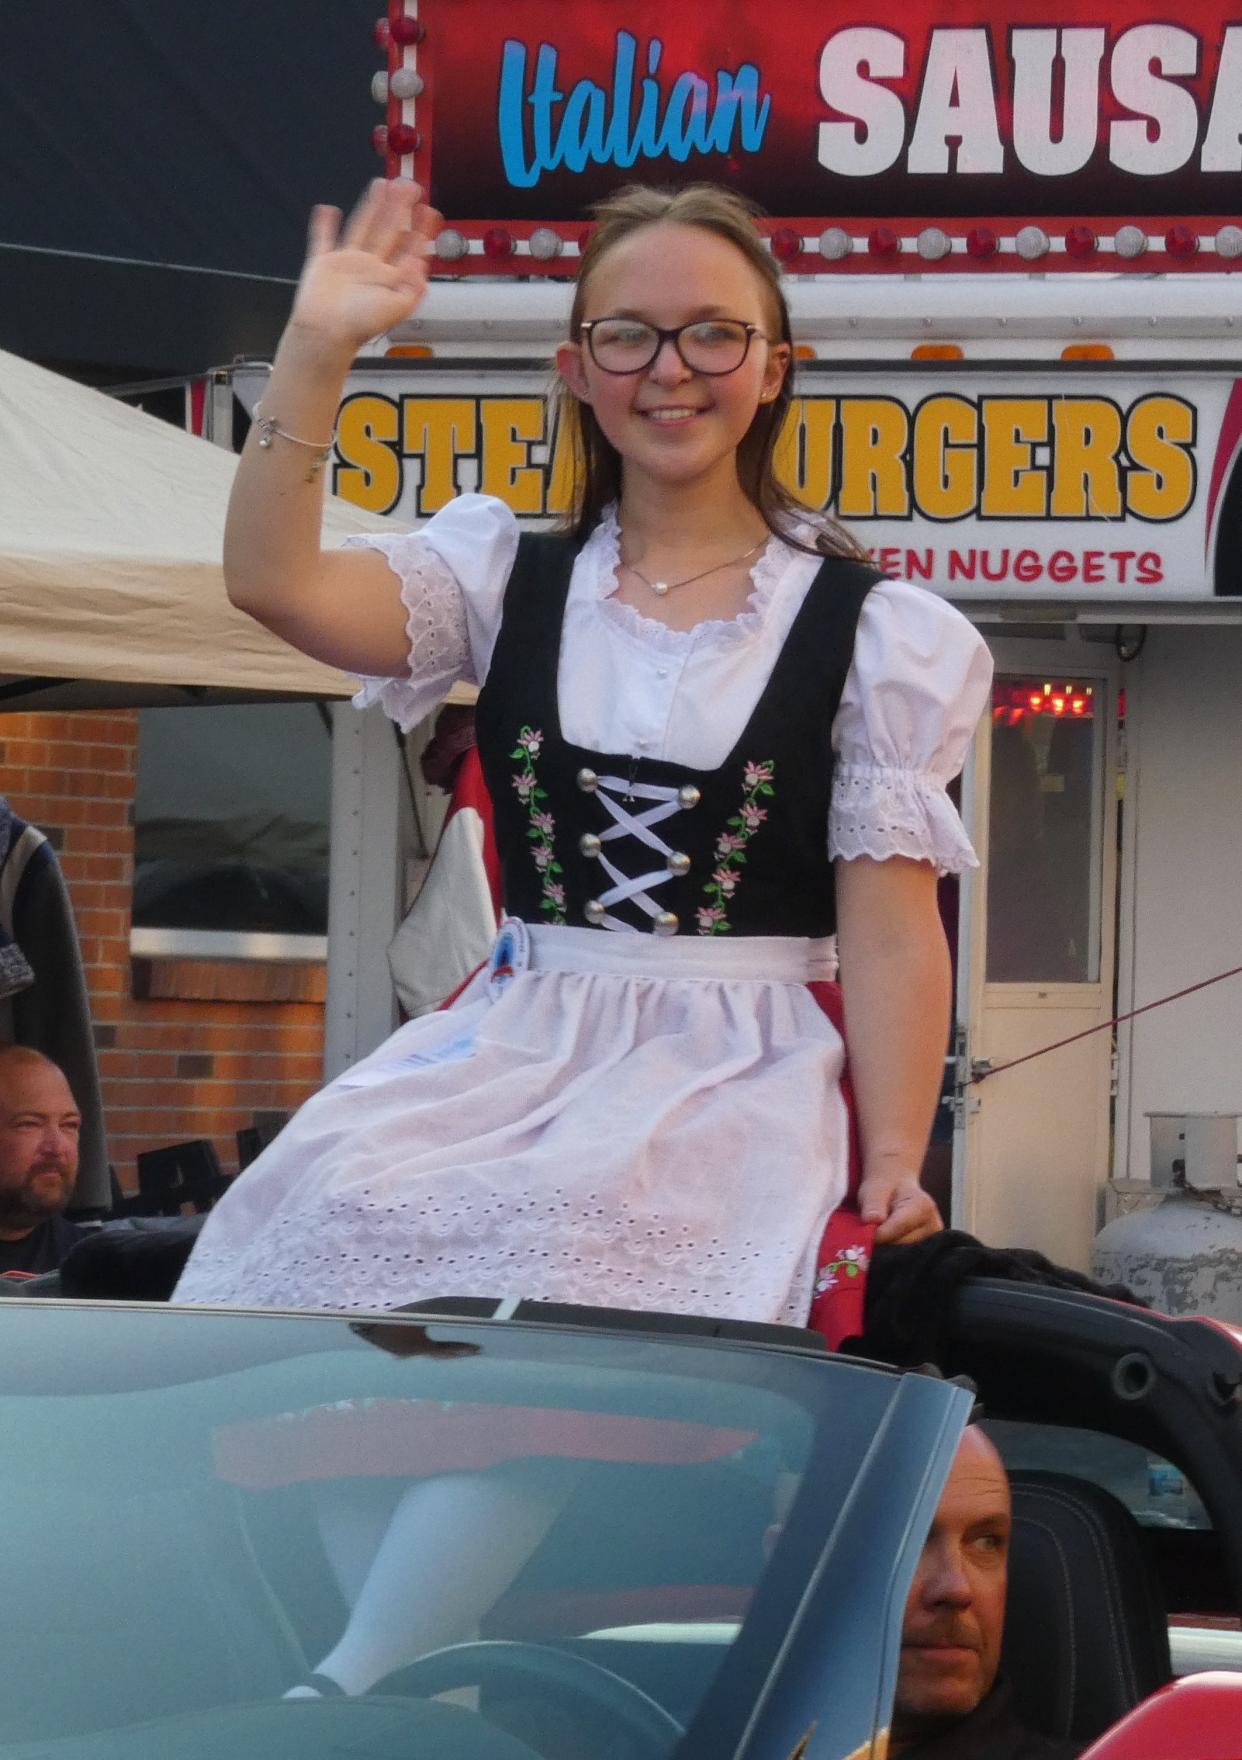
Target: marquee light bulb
[(406, 82), (545, 244), (786, 244), (933, 243), (883, 242), (497, 244), (1080, 241), (981, 243), (1031, 243), (1130, 241)]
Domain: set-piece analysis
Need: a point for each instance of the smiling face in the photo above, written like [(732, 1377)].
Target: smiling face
[(668, 423), (955, 1616)]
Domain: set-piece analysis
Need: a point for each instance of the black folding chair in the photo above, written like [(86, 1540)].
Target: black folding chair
[(181, 1174)]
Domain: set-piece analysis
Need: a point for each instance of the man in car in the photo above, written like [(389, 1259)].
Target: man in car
[(949, 1704), (39, 1129)]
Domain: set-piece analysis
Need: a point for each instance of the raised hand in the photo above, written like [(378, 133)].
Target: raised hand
[(360, 281)]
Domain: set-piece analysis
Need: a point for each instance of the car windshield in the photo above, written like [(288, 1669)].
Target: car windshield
[(200, 1508)]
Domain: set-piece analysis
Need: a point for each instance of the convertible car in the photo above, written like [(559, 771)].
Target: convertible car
[(734, 1517)]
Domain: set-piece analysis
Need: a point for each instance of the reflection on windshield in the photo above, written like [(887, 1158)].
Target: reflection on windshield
[(209, 1508)]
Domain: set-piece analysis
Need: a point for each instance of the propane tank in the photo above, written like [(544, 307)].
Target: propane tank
[(1184, 1256)]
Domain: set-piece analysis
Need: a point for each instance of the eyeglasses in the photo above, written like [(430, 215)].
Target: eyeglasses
[(712, 346)]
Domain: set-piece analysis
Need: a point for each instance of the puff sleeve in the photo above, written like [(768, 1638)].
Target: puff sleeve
[(919, 681), (452, 574)]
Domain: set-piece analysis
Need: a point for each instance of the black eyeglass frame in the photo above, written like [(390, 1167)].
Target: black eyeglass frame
[(674, 336)]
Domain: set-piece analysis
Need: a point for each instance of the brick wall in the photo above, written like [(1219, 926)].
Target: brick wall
[(171, 1067)]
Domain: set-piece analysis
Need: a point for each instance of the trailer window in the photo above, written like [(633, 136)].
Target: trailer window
[(1047, 752)]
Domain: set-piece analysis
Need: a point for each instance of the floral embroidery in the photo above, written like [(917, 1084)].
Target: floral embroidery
[(730, 850), (850, 1262), (542, 827)]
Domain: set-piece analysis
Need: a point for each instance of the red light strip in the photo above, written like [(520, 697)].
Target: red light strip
[(813, 246), (1069, 702), (396, 54)]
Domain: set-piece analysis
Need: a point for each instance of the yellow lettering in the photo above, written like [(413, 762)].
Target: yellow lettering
[(369, 474), (1160, 435), (874, 484), (1086, 475), (511, 425), (565, 469), (946, 457), (1012, 487), (802, 458), (442, 430)]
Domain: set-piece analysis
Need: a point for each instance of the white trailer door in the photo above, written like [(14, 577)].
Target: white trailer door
[(1037, 939)]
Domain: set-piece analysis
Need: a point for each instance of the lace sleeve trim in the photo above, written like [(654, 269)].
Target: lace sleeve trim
[(880, 812), (435, 625)]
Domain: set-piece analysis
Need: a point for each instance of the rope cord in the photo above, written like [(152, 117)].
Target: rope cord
[(1103, 1026)]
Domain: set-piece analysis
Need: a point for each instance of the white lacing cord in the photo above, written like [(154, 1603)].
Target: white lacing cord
[(626, 824)]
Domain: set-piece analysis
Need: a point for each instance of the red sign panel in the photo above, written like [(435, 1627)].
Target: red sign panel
[(964, 134)]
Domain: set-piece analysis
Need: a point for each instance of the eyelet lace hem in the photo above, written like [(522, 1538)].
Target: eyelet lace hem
[(770, 567), (881, 812), (435, 624), (356, 1253)]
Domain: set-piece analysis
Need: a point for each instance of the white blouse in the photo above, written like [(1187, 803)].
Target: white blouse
[(919, 679)]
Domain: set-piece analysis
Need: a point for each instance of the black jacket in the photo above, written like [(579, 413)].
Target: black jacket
[(991, 1732), (43, 1249)]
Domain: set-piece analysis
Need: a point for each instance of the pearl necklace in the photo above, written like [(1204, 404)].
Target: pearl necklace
[(662, 587)]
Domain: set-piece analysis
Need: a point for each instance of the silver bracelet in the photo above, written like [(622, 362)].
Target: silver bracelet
[(269, 429)]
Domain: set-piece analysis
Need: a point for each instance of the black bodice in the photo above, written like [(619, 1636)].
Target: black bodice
[(741, 849)]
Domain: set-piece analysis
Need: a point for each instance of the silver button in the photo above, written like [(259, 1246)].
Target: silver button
[(589, 844), (665, 924), (678, 863), (587, 781), (688, 796), (594, 912)]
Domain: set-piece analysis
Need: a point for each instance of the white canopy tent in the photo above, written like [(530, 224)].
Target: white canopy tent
[(111, 524), (111, 580)]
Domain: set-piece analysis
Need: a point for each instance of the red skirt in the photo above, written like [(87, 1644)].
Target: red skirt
[(845, 1250)]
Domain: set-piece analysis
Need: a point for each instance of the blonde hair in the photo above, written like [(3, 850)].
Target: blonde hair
[(596, 463)]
